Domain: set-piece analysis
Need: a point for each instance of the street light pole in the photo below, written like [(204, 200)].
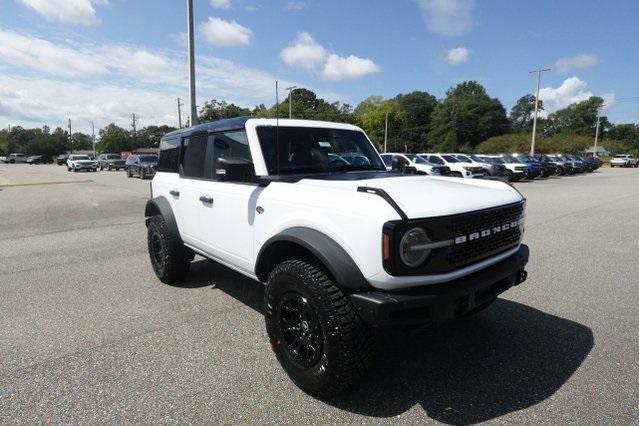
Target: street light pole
[(534, 130), (179, 103), (70, 136), (290, 103), (93, 136), (191, 41)]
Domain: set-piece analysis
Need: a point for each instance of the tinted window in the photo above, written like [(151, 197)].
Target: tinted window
[(416, 159), (113, 157), (233, 144), (194, 154), (435, 160), (169, 154), (450, 159), (148, 158), (387, 159), (302, 150)]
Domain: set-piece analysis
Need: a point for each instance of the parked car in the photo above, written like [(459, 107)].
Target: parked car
[(563, 167), (457, 168), (624, 160), (111, 162), (490, 168), (39, 159), (142, 165), (594, 162), (3, 159), (16, 157), (577, 164), (61, 160), (513, 175), (534, 168), (77, 162), (339, 248), (516, 169), (413, 163)]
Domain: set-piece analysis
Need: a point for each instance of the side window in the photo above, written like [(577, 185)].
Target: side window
[(387, 159), (232, 144), (169, 154), (193, 156)]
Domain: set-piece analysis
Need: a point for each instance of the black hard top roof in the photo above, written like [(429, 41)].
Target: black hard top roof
[(212, 126)]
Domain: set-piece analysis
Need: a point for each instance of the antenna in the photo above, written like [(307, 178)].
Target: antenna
[(277, 127)]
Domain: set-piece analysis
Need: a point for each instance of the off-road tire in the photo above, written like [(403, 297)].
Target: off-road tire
[(142, 174), (128, 173), (170, 259), (346, 342)]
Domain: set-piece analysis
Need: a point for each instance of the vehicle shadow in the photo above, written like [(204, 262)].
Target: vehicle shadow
[(505, 359)]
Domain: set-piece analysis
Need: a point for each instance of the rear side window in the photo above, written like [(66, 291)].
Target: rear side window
[(232, 144), (194, 156), (169, 155)]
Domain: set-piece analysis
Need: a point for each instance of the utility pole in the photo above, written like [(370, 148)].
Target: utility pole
[(133, 125), (534, 131), (594, 151), (179, 102), (191, 42), (93, 136), (70, 136), (9, 128), (290, 104), (386, 133)]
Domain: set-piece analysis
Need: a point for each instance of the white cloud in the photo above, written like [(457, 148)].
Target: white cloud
[(448, 17), (458, 55), (42, 55), (585, 60), (219, 32), (348, 67), (571, 91), (79, 12), (295, 5), (112, 80), (221, 4), (305, 52)]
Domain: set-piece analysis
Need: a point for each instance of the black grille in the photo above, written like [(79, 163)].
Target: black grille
[(476, 222)]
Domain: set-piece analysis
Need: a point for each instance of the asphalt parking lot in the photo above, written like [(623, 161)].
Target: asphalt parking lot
[(88, 334)]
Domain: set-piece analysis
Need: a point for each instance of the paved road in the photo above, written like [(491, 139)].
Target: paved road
[(87, 333)]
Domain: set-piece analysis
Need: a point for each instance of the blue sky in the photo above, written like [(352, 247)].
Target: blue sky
[(102, 60)]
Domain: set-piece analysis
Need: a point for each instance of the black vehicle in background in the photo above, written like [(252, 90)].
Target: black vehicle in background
[(111, 162), (62, 159), (39, 159), (141, 165), (551, 166), (535, 168)]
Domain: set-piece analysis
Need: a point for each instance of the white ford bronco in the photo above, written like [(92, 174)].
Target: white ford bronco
[(308, 209)]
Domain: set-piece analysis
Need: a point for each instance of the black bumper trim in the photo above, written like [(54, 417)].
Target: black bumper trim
[(439, 302)]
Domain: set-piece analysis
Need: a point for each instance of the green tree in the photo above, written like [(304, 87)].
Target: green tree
[(217, 110), (82, 142), (114, 138), (149, 136), (522, 113), (307, 106), (417, 110), (579, 118), (467, 116), (370, 115)]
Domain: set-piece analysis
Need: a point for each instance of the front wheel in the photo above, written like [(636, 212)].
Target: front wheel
[(128, 173), (315, 331), (142, 174), (170, 259)]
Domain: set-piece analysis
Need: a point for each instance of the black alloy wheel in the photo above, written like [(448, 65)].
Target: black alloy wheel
[(300, 329)]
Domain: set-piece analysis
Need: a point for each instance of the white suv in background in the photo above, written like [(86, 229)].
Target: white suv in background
[(412, 163), (624, 160), (457, 168)]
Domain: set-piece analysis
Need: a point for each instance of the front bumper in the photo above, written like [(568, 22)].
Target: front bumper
[(434, 303), (85, 166)]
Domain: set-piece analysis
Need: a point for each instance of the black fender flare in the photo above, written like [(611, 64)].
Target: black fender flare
[(161, 206), (341, 266)]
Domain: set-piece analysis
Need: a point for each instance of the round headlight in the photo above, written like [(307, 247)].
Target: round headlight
[(410, 250)]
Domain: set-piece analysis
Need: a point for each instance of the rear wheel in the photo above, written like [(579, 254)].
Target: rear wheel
[(142, 174), (315, 332), (128, 173), (170, 259)]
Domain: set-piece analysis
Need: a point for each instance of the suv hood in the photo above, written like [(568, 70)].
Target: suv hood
[(430, 196)]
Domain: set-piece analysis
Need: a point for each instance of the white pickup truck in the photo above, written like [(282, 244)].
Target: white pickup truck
[(341, 246)]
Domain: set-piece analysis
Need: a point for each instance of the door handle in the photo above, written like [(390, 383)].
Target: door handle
[(174, 193), (206, 199)]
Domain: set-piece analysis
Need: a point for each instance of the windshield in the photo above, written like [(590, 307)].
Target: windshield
[(416, 159), (450, 159), (80, 157), (148, 159), (490, 160), (113, 157), (308, 150), (464, 159)]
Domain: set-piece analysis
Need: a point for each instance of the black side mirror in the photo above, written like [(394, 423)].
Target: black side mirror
[(398, 164), (234, 169)]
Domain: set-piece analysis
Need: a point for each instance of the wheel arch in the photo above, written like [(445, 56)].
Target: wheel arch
[(161, 206), (299, 242)]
